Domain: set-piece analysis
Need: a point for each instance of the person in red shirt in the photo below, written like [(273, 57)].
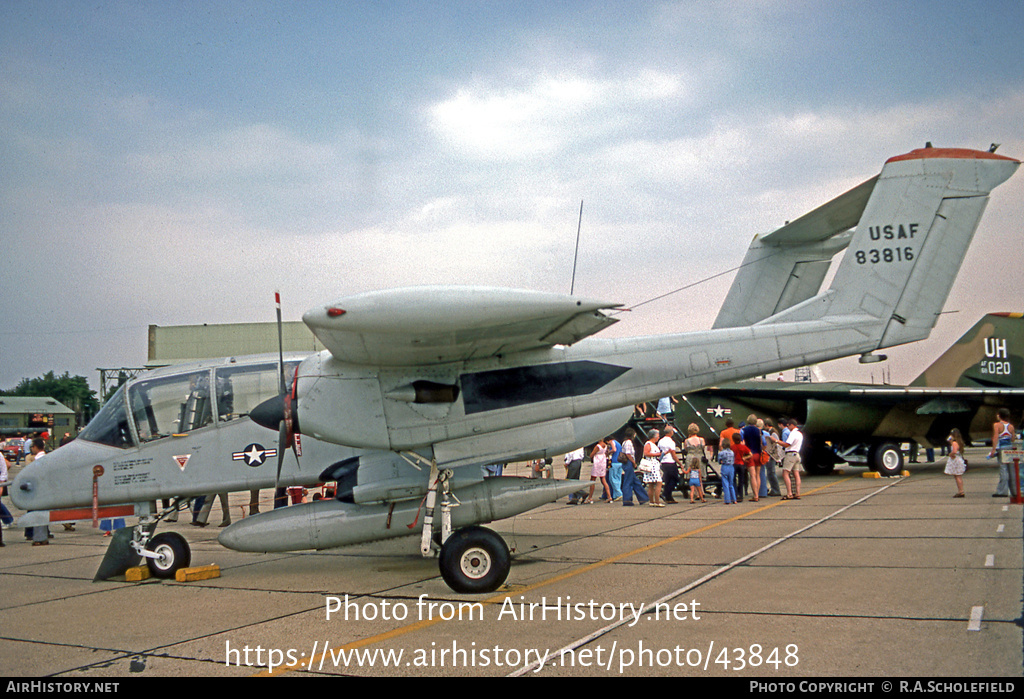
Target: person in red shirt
[(741, 455), (725, 438)]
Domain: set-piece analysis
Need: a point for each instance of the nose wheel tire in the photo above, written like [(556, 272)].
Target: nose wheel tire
[(473, 560), (172, 553)]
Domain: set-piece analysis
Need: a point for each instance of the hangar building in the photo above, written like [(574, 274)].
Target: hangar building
[(25, 414)]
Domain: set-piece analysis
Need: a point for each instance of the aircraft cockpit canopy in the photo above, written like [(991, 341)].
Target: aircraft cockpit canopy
[(155, 407), (110, 425)]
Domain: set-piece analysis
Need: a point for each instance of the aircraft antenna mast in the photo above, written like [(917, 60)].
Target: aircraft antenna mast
[(579, 226)]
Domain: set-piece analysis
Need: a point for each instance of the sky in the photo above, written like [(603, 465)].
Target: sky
[(175, 163)]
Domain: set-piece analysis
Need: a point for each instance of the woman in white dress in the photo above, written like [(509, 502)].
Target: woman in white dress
[(651, 468)]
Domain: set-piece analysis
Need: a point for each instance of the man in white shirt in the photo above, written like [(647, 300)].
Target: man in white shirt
[(631, 484), (792, 443), (669, 465), (40, 536), (573, 467)]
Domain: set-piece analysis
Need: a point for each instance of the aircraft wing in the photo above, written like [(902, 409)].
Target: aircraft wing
[(431, 325), (937, 401)]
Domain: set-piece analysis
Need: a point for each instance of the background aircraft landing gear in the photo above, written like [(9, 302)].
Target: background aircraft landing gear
[(819, 458), (172, 552), (474, 559), (887, 459)]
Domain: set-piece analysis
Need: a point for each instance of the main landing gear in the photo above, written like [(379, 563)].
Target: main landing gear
[(472, 559), (886, 458)]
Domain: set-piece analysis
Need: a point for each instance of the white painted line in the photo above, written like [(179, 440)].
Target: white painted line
[(696, 583), (1000, 528), (975, 622), (990, 560)]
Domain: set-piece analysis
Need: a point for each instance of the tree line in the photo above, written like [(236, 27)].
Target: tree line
[(72, 391)]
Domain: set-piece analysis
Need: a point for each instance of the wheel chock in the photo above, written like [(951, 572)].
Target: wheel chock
[(197, 573), (871, 474), (137, 574)]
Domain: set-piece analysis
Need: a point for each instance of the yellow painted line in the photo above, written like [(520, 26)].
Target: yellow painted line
[(498, 599)]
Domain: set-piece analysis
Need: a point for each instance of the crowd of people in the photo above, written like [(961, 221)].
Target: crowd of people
[(742, 461)]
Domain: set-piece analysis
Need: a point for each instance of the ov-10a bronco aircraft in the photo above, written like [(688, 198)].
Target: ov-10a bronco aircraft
[(437, 379)]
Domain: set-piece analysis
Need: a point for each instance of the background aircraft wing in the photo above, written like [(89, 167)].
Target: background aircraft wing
[(848, 391), (431, 325)]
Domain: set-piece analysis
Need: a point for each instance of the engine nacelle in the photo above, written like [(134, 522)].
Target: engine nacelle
[(463, 414)]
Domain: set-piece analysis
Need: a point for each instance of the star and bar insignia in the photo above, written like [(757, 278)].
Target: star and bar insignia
[(254, 455)]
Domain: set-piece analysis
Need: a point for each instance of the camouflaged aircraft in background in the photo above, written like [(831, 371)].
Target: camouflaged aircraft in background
[(980, 373)]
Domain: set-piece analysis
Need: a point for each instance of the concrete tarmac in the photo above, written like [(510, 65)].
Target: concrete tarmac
[(861, 578)]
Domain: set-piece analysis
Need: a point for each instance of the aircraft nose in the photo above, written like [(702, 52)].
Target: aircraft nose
[(63, 478), (23, 488)]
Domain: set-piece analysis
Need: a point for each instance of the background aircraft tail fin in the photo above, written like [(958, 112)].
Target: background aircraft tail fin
[(989, 355), (913, 225)]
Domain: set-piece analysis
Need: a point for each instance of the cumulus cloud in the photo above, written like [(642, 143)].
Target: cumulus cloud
[(546, 116)]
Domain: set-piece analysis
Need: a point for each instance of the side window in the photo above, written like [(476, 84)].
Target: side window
[(240, 389), (171, 405)]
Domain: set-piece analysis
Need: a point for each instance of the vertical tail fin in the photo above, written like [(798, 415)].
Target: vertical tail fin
[(913, 224), (989, 355)]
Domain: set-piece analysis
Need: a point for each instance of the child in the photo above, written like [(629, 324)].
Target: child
[(599, 457), (955, 465), (728, 472)]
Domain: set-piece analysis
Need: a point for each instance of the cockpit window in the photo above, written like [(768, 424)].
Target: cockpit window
[(110, 425), (242, 388), (171, 405)]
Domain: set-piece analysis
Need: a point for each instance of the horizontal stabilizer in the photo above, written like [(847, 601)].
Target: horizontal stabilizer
[(788, 265)]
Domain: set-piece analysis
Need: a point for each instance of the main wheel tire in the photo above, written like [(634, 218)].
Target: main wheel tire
[(474, 559), (174, 553), (820, 460), (887, 459)]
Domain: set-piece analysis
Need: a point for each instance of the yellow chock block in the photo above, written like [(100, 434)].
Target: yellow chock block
[(905, 474), (137, 574), (871, 474), (197, 573)]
